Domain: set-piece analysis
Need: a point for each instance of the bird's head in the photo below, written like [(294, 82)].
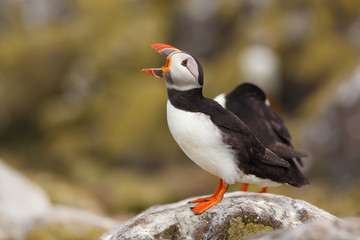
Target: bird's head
[(181, 71)]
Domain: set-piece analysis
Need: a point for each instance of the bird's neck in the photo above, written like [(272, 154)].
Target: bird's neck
[(186, 100)]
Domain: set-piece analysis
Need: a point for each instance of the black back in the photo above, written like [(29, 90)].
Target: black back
[(247, 102), (253, 157)]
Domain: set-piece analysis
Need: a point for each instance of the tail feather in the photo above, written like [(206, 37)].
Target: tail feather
[(286, 151), (272, 159), (297, 178)]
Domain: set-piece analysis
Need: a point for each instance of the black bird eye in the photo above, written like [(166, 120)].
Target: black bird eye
[(184, 63)]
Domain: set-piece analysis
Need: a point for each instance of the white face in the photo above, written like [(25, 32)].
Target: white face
[(183, 72)]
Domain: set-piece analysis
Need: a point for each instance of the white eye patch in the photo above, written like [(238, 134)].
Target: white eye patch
[(184, 72), (193, 68)]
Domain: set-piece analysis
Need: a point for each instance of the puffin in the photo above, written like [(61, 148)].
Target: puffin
[(212, 136), (249, 103)]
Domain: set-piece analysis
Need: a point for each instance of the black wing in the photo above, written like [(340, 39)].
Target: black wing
[(253, 157), (277, 124), (241, 138), (248, 102), (282, 146)]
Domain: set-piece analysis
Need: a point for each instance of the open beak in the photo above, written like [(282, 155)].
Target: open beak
[(155, 72), (165, 50)]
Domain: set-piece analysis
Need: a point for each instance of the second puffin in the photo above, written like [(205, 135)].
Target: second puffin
[(211, 136)]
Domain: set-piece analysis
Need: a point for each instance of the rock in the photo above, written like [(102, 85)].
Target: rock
[(71, 214), (21, 203), (329, 229), (62, 222), (26, 213), (239, 215)]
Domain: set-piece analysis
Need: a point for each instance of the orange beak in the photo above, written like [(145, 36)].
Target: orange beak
[(155, 72), (165, 50)]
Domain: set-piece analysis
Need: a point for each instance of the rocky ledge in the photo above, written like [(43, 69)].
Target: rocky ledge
[(238, 216), (27, 213)]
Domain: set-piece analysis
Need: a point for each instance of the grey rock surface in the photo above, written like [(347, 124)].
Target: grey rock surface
[(21, 203), (66, 214), (239, 215), (329, 229), (24, 206)]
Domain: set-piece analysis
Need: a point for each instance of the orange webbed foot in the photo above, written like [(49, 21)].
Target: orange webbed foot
[(206, 199), (208, 202), (263, 190), (244, 187), (199, 200), (202, 207)]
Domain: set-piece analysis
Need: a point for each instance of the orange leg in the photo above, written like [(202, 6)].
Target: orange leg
[(206, 199), (263, 190), (207, 203), (244, 187)]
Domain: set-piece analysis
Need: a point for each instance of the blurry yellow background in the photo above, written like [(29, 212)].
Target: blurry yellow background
[(79, 118)]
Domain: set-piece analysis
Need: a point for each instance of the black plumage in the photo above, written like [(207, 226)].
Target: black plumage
[(253, 157), (248, 102), (213, 137)]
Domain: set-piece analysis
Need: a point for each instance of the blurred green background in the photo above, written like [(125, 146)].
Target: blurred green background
[(79, 118)]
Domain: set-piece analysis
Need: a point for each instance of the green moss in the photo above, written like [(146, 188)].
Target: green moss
[(240, 228)]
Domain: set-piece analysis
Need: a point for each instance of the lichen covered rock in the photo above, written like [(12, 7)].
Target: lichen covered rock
[(330, 229), (239, 215)]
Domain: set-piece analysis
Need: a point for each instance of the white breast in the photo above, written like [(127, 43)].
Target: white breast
[(202, 142)]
